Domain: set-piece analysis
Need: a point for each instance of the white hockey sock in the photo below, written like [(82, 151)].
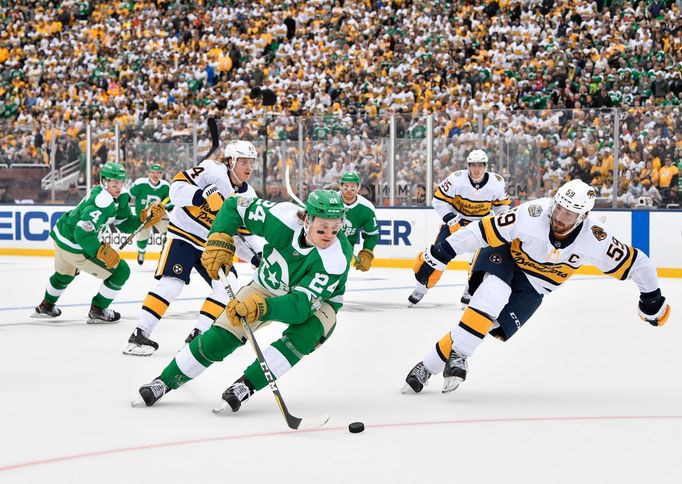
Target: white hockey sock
[(157, 301), (215, 303)]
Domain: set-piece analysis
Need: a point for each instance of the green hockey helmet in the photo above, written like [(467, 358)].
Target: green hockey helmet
[(325, 204), (350, 177), (113, 171), (155, 167)]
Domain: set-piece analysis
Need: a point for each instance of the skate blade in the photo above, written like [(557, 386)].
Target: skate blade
[(100, 321), (135, 350), (138, 402), (221, 408), (42, 316), (407, 390), (451, 383)]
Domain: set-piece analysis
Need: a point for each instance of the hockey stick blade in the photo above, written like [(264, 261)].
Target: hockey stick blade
[(215, 138), (294, 423), (291, 193)]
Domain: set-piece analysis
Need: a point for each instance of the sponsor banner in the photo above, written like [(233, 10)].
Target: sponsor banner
[(402, 232)]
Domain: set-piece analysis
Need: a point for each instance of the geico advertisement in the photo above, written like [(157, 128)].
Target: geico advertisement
[(28, 226)]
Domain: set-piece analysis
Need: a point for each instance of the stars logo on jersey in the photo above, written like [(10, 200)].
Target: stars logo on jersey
[(598, 232), (534, 210)]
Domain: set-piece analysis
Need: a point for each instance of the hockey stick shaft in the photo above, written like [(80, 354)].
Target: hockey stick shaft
[(292, 421), (141, 227), (215, 138), (291, 193)]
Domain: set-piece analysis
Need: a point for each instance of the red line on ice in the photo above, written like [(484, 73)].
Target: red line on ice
[(330, 429)]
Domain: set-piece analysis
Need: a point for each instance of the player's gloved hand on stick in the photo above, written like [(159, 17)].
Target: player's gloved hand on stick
[(218, 254), (364, 260), (652, 308), (251, 308), (156, 210), (431, 263), (209, 195), (256, 259), (452, 221), (108, 256)]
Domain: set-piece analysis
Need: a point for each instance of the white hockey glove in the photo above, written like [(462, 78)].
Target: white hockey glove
[(653, 309), (452, 221)]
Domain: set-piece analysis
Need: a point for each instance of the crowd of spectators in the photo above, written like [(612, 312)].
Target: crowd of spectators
[(533, 82)]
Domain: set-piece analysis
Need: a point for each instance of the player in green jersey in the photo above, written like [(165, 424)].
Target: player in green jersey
[(148, 190), (360, 218), (300, 282), (78, 248)]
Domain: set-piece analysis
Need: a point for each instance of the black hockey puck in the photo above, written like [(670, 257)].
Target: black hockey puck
[(356, 427)]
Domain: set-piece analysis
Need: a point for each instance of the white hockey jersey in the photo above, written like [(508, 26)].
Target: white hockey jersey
[(547, 262), (192, 223), (459, 195)]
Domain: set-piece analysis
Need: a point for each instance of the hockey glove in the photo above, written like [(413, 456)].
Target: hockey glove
[(364, 260), (452, 221), (108, 256), (212, 197), (252, 308), (156, 210), (218, 254), (256, 259), (653, 309), (430, 264)]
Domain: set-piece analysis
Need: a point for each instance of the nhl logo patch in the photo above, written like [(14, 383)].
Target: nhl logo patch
[(598, 232), (177, 269), (495, 258), (534, 210), (244, 201)]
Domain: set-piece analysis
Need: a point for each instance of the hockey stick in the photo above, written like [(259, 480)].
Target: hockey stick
[(215, 138), (291, 193), (294, 423), (141, 227), (248, 246)]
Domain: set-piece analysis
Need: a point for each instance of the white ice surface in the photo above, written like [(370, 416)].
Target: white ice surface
[(584, 393)]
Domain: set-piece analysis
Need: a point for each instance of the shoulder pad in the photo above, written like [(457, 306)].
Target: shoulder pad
[(365, 202), (104, 199)]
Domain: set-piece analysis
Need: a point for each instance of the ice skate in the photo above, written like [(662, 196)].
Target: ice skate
[(234, 396), (455, 371), (466, 297), (419, 292), (46, 310), (140, 258), (151, 393), (416, 379), (103, 315), (195, 332), (139, 344)]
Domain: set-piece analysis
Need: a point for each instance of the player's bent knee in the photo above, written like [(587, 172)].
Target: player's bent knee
[(491, 296), (215, 344)]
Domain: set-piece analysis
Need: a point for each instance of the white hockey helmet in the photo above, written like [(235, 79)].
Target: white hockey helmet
[(575, 196), (477, 156), (239, 149)]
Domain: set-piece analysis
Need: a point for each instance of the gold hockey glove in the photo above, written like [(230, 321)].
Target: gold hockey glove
[(218, 254), (364, 260), (108, 256), (252, 308), (156, 210)]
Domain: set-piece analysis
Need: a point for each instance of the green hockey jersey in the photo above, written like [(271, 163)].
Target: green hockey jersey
[(361, 218), (78, 230), (145, 193), (301, 277)]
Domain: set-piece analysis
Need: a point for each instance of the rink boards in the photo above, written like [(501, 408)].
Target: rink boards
[(24, 230)]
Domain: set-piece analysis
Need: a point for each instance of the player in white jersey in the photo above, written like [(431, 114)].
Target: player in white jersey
[(525, 254), (464, 197), (198, 194)]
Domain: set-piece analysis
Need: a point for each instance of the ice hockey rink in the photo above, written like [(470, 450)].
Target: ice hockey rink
[(585, 392)]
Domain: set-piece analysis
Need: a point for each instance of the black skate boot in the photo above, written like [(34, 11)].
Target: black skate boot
[(416, 379), (103, 315), (455, 371), (46, 310), (419, 292), (139, 344), (235, 395), (151, 392), (140, 258), (195, 332)]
